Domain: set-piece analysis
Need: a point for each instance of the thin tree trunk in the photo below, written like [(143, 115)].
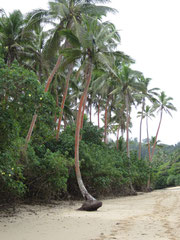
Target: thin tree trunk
[(57, 104), (117, 143), (65, 122), (83, 110), (82, 188), (28, 137), (53, 73), (70, 69), (90, 111), (154, 145), (99, 115), (46, 89), (127, 142), (149, 150), (140, 131), (127, 126), (105, 121)]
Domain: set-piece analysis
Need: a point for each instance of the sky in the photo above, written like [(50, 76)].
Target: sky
[(150, 34)]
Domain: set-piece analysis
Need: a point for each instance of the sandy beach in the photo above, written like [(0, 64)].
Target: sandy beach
[(148, 216)]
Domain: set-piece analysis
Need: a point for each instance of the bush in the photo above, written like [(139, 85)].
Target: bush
[(47, 177), (11, 172)]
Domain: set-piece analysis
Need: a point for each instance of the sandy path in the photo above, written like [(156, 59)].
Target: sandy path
[(149, 216)]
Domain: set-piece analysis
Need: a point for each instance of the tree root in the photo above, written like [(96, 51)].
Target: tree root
[(92, 205)]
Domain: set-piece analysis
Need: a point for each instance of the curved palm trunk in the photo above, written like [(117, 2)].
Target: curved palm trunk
[(57, 104), (70, 69), (28, 137), (82, 114), (140, 131), (53, 73), (83, 110), (154, 145), (82, 188)]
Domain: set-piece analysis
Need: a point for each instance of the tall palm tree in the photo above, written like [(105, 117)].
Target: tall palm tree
[(94, 49), (147, 113), (128, 86), (163, 105), (149, 94)]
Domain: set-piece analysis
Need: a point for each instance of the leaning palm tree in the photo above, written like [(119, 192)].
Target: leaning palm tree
[(163, 105), (94, 49)]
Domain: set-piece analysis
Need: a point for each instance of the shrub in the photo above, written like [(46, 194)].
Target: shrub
[(47, 177)]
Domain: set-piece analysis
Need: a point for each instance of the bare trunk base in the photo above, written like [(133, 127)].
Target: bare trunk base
[(133, 192), (149, 188), (90, 205)]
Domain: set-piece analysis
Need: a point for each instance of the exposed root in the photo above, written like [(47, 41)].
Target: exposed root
[(92, 205)]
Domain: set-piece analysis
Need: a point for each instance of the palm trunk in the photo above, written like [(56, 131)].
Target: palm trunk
[(57, 104), (46, 89), (65, 122), (99, 115), (83, 110), (149, 150), (28, 137), (117, 143), (127, 143), (140, 131), (70, 69), (53, 73), (90, 111), (154, 145), (105, 121), (127, 126), (82, 188)]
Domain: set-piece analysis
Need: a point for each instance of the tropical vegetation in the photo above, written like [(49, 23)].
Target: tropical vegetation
[(57, 66)]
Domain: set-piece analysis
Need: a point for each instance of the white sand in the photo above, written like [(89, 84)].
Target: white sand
[(149, 216)]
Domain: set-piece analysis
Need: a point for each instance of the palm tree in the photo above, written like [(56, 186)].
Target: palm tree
[(146, 94), (34, 55), (163, 105), (11, 38), (128, 87), (95, 49), (147, 113)]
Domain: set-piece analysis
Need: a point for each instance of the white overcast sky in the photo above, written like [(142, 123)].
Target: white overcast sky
[(150, 34)]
